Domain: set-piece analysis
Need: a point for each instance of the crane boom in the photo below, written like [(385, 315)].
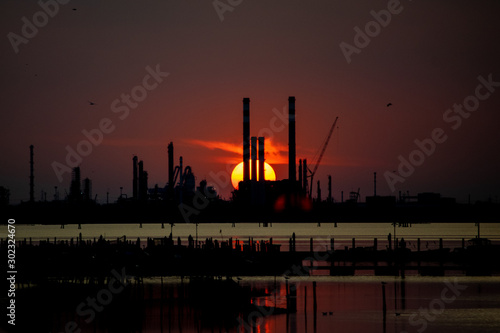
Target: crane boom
[(321, 154)]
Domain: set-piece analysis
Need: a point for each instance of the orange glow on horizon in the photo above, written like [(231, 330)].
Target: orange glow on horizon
[(237, 174), (276, 153)]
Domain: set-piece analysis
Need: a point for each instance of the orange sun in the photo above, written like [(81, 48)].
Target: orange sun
[(237, 174)]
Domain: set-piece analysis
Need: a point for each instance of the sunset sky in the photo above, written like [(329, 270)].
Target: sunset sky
[(423, 59)]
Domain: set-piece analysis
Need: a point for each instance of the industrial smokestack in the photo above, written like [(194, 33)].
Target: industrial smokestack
[(181, 173), (300, 173), (304, 175), (246, 139), (32, 176), (144, 182), (141, 178), (170, 165), (329, 188), (319, 192), (254, 158), (181, 180), (262, 176), (135, 180), (291, 139), (87, 189), (75, 192)]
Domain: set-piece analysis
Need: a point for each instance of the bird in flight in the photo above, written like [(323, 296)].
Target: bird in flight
[(389, 104), (91, 103)]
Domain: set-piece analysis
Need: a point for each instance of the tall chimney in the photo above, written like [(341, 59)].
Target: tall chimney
[(181, 175), (144, 181), (75, 192), (181, 181), (253, 166), (141, 178), (374, 184), (319, 192), (291, 139), (304, 175), (87, 189), (262, 176), (300, 174), (246, 138), (32, 176), (135, 180), (170, 165), (329, 188)]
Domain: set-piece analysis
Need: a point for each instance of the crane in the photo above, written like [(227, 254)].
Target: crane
[(313, 172)]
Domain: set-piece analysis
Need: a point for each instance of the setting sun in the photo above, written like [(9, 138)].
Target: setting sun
[(237, 174)]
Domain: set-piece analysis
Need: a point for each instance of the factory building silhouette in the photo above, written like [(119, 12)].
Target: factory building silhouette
[(181, 185), (256, 198), (254, 189)]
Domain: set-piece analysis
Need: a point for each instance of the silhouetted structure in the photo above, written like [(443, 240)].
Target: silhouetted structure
[(304, 176), (266, 192), (135, 178), (330, 199), (301, 182), (246, 139), (87, 189), (170, 168), (281, 200), (159, 257), (262, 176), (143, 182), (319, 192), (291, 141), (320, 156), (254, 158), (4, 196), (75, 192)]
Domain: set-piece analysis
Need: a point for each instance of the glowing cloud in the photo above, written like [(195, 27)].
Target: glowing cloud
[(275, 153)]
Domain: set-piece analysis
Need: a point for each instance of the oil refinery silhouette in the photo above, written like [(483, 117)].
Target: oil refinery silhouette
[(255, 199), (59, 272)]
